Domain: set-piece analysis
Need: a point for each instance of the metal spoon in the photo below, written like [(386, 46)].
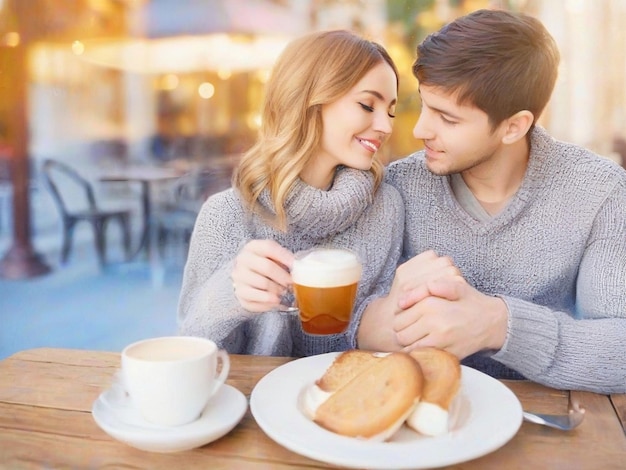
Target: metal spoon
[(563, 422)]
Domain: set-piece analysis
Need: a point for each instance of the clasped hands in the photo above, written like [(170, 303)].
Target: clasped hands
[(431, 304)]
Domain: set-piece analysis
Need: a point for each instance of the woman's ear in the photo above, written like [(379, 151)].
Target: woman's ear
[(517, 126)]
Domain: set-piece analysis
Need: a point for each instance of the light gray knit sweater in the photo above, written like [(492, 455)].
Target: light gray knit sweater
[(348, 215), (556, 255)]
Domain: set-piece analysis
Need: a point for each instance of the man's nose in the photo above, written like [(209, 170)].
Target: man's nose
[(422, 130)]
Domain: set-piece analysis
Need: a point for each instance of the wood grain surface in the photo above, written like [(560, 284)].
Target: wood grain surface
[(46, 397)]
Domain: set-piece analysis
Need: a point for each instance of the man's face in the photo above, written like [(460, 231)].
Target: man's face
[(456, 137)]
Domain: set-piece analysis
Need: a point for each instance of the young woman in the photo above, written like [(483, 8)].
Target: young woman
[(313, 178)]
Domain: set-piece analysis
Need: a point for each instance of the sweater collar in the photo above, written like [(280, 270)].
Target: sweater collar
[(319, 212), (541, 150)]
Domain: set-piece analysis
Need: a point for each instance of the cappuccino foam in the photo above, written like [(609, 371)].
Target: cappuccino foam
[(169, 349), (327, 267)]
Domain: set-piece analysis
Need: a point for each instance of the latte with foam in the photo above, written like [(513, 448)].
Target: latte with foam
[(325, 285)]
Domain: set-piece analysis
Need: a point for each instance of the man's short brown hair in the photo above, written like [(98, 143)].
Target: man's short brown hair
[(499, 61)]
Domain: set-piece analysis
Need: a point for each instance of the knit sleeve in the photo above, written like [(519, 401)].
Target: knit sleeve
[(586, 351), (207, 305), (382, 239)]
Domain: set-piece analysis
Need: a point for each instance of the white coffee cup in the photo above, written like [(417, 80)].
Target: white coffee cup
[(171, 379)]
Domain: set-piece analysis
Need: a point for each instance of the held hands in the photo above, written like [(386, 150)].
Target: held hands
[(422, 268), (431, 304), (377, 329), (450, 314), (261, 275)]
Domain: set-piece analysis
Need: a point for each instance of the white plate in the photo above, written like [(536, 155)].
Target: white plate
[(125, 423), (488, 415)]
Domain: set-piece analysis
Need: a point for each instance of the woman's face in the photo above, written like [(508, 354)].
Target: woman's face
[(355, 126)]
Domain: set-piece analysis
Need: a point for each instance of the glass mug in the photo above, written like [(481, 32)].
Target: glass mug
[(325, 282)]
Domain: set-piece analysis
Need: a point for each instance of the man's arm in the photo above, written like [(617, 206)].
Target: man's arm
[(585, 351)]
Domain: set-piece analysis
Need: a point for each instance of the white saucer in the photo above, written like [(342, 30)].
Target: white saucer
[(125, 423)]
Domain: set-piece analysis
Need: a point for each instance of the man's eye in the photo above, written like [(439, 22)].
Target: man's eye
[(447, 121), (367, 108)]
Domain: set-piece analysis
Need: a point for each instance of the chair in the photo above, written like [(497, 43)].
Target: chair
[(58, 175), (176, 218)]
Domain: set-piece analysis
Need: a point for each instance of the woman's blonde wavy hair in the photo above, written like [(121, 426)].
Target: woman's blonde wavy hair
[(312, 71)]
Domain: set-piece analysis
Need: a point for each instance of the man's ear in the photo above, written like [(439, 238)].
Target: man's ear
[(517, 126)]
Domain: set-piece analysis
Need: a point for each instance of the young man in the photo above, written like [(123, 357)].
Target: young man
[(518, 241)]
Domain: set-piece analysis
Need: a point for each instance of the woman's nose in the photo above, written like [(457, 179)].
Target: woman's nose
[(383, 124)]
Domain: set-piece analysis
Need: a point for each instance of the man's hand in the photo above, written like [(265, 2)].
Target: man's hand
[(422, 268), (376, 329), (450, 314)]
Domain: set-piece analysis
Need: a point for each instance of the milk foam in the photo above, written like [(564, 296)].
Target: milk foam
[(169, 349), (328, 267)]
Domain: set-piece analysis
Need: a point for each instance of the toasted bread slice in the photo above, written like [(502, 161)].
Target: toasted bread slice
[(344, 368), (442, 374), (376, 400)]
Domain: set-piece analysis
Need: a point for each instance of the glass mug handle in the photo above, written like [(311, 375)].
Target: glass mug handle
[(288, 302), (222, 356)]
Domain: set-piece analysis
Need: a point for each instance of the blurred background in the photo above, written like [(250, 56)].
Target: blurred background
[(121, 89)]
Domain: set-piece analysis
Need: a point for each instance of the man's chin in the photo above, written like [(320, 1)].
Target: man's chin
[(438, 170)]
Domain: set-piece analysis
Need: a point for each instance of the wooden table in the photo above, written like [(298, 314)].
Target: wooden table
[(45, 422)]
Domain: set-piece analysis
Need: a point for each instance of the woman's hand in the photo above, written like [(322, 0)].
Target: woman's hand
[(261, 275)]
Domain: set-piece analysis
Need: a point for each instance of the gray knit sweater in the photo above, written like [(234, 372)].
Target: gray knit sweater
[(556, 255), (349, 215)]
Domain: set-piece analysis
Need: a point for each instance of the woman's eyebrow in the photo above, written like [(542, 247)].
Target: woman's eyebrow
[(378, 95)]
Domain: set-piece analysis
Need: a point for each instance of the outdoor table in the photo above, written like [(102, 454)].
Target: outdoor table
[(147, 176), (46, 397)]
